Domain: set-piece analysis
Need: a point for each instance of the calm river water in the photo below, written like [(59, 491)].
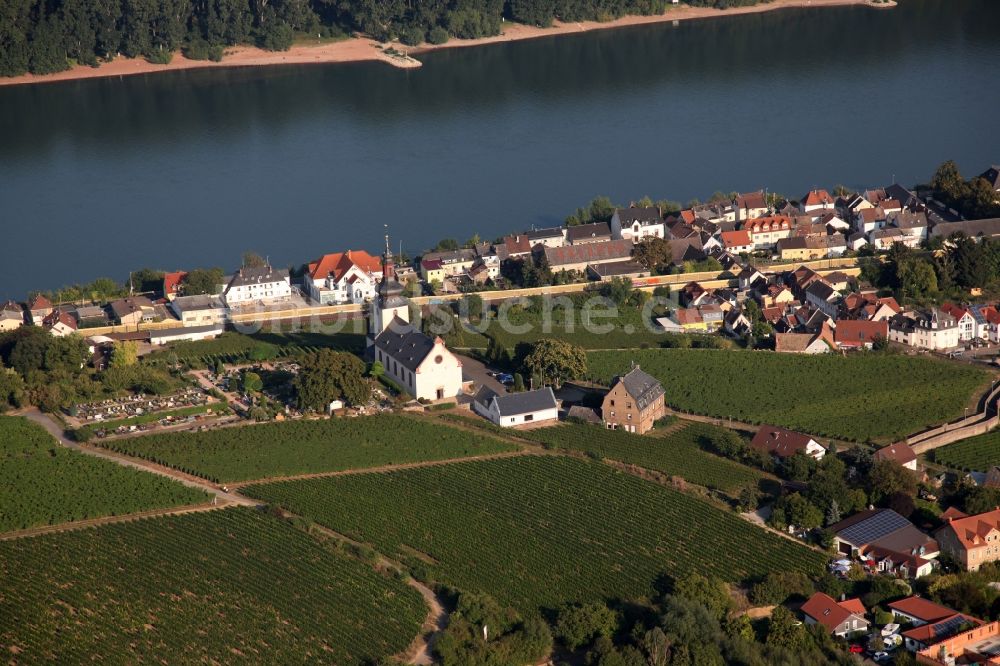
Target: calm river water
[(192, 168)]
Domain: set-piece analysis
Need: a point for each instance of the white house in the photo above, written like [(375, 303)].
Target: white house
[(60, 323), (816, 200), (11, 316), (515, 409), (185, 334), (635, 224), (927, 329), (203, 310), (765, 232), (344, 277), (964, 319), (750, 205), (258, 285)]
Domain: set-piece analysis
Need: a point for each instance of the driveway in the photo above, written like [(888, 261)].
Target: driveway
[(476, 371)]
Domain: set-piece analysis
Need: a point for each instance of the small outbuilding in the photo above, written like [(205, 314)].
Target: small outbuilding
[(514, 409)]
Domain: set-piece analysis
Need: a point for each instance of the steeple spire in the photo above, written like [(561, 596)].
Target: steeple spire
[(387, 272)]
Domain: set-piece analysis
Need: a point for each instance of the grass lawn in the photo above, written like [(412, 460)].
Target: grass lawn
[(538, 531), (45, 484), (305, 447), (227, 586), (859, 397)]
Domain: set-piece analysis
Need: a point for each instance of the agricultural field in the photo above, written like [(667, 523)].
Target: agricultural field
[(976, 453), (678, 453), (45, 484), (223, 586), (599, 327), (538, 531), (306, 447), (860, 397), (233, 347)]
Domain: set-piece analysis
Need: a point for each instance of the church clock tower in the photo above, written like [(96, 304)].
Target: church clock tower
[(390, 302)]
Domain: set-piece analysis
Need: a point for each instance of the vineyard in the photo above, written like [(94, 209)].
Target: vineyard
[(305, 447), (976, 453), (826, 395), (681, 453), (537, 531), (217, 587), (44, 484), (237, 348)]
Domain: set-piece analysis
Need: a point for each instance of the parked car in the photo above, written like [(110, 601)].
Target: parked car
[(505, 378), (856, 649), (880, 657)]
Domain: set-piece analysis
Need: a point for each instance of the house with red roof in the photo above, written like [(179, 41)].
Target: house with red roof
[(750, 205), (172, 284), (343, 277), (936, 631), (737, 241), (899, 453), (971, 540), (858, 333), (39, 307), (783, 443), (918, 611), (966, 322), (816, 200), (840, 618), (973, 645), (60, 323), (765, 232), (895, 563)]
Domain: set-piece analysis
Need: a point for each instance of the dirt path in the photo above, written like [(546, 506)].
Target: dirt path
[(136, 463), (108, 520)]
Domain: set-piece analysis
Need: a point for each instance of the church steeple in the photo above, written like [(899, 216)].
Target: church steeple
[(390, 303)]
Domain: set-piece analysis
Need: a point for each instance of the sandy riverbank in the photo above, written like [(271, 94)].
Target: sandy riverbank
[(362, 49)]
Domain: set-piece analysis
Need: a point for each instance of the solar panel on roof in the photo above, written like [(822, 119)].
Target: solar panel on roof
[(874, 528), (948, 627)]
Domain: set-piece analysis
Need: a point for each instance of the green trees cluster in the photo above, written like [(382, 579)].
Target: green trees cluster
[(973, 198), (44, 37), (329, 375), (480, 631)]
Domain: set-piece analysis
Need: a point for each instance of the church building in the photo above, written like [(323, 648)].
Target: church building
[(421, 365)]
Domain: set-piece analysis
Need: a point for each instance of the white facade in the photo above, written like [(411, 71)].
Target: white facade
[(354, 286), (258, 285), (437, 377), (636, 230), (200, 310), (505, 411), (935, 332)]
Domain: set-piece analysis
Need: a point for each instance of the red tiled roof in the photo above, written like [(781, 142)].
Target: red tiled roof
[(736, 238), (972, 531), (817, 198), (338, 263), (922, 609), (900, 452), (956, 311), (935, 632), (858, 332), (953, 512), (172, 282), (688, 216), (769, 223), (826, 611), (751, 200), (779, 441), (431, 264), (891, 204), (688, 316), (39, 302)]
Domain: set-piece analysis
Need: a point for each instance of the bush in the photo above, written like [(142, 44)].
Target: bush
[(438, 35), (412, 36), (276, 37), (196, 50), (160, 57)]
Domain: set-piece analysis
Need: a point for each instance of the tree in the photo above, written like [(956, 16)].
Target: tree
[(446, 245), (902, 503), (518, 383), (579, 625), (124, 354), (377, 370), (252, 382), (948, 182), (749, 498), (887, 478), (146, 279), (202, 281), (329, 375), (12, 389), (253, 260), (710, 592), (556, 361), (617, 290), (783, 630), (654, 253)]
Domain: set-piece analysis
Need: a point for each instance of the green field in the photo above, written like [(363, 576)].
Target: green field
[(538, 531), (306, 447), (679, 453), (228, 586), (233, 347), (976, 453), (860, 397), (598, 327), (45, 484)]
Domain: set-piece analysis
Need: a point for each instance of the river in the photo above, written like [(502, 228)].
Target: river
[(191, 168)]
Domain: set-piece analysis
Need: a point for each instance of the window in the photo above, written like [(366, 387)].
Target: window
[(612, 403), (629, 417), (529, 417), (628, 405)]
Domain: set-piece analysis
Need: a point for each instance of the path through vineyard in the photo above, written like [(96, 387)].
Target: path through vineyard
[(224, 498)]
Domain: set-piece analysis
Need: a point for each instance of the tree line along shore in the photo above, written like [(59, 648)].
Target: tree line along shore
[(49, 38)]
